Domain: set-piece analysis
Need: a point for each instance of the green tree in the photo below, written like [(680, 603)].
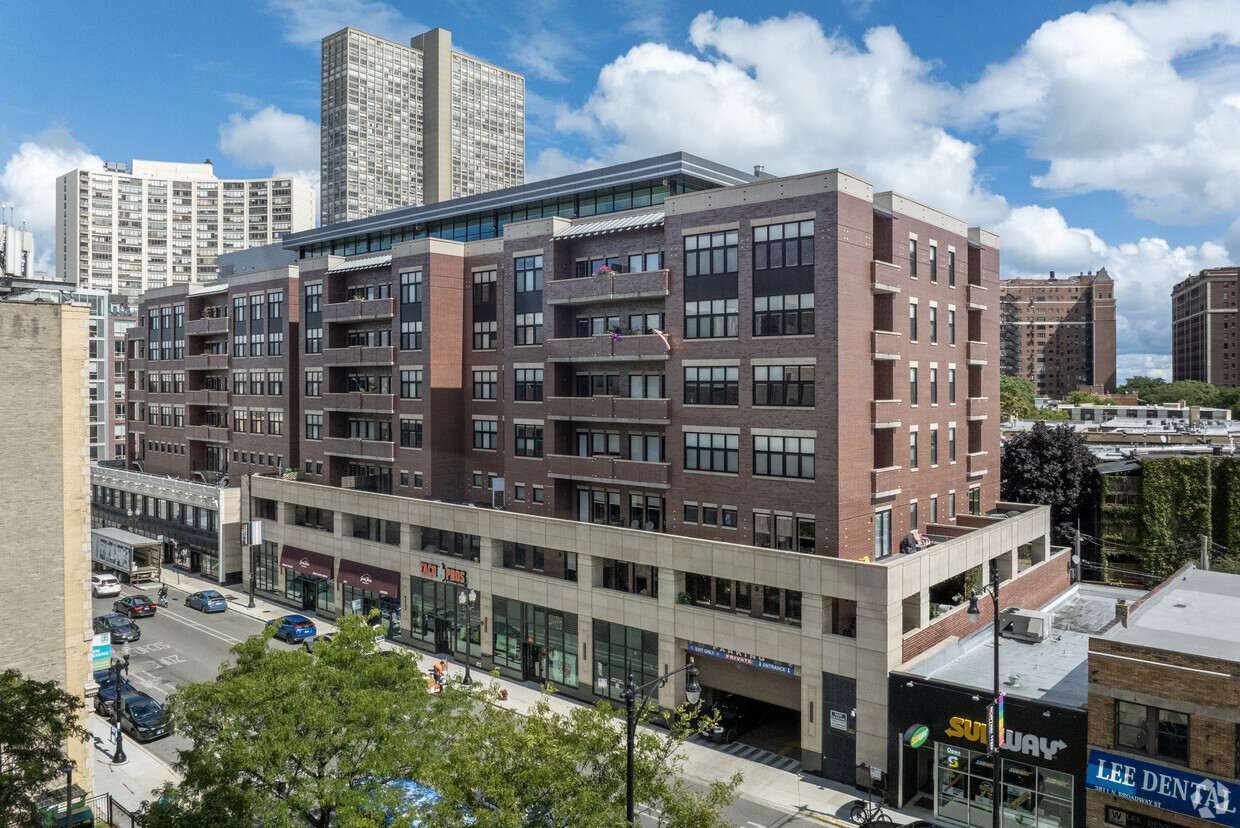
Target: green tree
[(1052, 466), (1083, 398), (1146, 388), (1015, 397), (37, 721)]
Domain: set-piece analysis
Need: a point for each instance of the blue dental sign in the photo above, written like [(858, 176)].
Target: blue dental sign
[(1162, 787)]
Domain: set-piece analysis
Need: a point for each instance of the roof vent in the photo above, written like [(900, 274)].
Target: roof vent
[(758, 170), (1026, 625)]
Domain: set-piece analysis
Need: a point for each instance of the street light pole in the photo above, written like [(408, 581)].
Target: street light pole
[(468, 603), (975, 615), (68, 771), (119, 757), (249, 487), (693, 692)]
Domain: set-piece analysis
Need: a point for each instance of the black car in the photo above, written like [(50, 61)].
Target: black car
[(737, 714), (143, 718), (106, 680), (121, 628), (135, 606)]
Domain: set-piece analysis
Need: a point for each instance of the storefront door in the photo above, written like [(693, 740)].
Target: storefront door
[(530, 662), (443, 635), (309, 596)]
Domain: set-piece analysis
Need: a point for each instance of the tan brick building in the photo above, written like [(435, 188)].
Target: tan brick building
[(44, 527), (1164, 707), (1059, 333), (1205, 328)]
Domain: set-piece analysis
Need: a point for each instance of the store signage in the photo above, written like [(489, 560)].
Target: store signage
[(1170, 789), (101, 651), (1128, 819), (1029, 744), (839, 720), (365, 579), (742, 658), (916, 736), (440, 572)]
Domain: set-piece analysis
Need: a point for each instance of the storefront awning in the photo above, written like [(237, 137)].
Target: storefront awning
[(370, 578), (306, 562)]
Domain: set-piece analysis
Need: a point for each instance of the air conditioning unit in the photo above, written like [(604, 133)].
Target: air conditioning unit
[(1026, 625)]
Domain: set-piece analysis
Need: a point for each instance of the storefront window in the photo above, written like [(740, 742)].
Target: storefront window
[(356, 601), (619, 649), (436, 617), (267, 567), (1031, 796), (540, 643)]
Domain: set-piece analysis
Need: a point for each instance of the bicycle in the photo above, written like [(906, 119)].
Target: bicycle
[(865, 812)]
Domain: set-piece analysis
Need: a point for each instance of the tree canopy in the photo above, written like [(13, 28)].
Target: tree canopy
[(288, 738), (37, 721), (1050, 465), (1155, 391), (1015, 397)]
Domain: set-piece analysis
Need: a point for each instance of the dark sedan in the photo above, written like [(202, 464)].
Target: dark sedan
[(135, 606), (122, 629), (107, 692), (207, 601), (143, 718)]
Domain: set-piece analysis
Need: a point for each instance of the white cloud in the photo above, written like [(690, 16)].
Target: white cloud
[(1142, 365), (284, 141), (28, 182), (307, 22), (541, 53)]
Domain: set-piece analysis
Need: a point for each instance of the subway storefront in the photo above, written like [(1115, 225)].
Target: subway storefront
[(940, 763)]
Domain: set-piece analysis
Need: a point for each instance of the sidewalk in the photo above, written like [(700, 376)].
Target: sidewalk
[(131, 783), (828, 801)]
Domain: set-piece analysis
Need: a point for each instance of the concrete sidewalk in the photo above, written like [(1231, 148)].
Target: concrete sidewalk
[(785, 790), (132, 783)]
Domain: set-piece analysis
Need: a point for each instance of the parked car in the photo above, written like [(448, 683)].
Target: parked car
[(103, 585), (309, 641), (737, 714), (121, 628), (207, 601), (143, 718), (106, 680), (293, 628), (135, 606)]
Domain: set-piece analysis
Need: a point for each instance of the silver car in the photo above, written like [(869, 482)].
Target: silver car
[(102, 584)]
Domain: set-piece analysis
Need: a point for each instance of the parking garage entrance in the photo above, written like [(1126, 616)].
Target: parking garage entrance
[(759, 702)]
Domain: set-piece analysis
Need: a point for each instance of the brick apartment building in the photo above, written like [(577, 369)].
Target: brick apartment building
[(1059, 333), (1205, 326), (1164, 716), (710, 405)]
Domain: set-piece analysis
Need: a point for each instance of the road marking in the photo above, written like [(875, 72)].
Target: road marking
[(201, 627)]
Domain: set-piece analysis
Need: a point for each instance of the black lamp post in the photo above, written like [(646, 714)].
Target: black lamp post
[(693, 692), (118, 667), (468, 601), (249, 486), (67, 770), (975, 616)]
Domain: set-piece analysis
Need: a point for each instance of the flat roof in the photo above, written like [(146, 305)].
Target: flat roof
[(1198, 613), (1054, 671)]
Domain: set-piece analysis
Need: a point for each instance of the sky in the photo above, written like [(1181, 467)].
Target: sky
[(1087, 136)]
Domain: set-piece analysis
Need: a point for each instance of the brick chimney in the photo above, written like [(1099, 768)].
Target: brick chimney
[(1121, 611)]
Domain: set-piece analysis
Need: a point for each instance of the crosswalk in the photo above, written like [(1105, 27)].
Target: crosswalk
[(751, 754)]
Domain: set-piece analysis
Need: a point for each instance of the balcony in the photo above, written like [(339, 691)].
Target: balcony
[(358, 401), (976, 352), (886, 277), (976, 463), (885, 345), (608, 409), (607, 348), (209, 434), (618, 287), (886, 413), (975, 408), (885, 482), (605, 469), (359, 310), (976, 297), (206, 397), (207, 326), (361, 449), (207, 362), (360, 355)]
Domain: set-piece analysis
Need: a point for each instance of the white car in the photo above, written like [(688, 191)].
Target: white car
[(102, 584)]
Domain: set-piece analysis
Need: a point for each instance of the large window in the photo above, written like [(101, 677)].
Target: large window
[(780, 456), (485, 384), (773, 530), (711, 385), (783, 245), (784, 385), (882, 534), (528, 300), (539, 641), (486, 434), (711, 318), (314, 426), (1152, 730), (783, 314), (528, 330), (711, 290), (620, 651), (411, 385), (314, 382), (484, 336), (410, 433), (529, 441), (1031, 795), (529, 385), (706, 451)]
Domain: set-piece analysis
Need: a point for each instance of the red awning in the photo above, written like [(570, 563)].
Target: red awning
[(370, 578), (306, 562)]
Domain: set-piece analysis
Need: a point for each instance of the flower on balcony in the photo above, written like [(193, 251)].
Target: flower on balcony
[(604, 271)]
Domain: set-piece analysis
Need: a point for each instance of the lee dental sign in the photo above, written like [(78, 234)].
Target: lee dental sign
[(1170, 789)]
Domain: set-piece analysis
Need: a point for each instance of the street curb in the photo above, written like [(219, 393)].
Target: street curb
[(134, 744)]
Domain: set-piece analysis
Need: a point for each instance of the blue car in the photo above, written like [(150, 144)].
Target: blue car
[(293, 628), (207, 601)]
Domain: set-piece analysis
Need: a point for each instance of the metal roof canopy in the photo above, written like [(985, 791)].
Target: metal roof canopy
[(362, 264), (612, 225)]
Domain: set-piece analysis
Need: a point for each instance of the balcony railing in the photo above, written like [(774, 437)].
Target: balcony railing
[(207, 326), (207, 362), (886, 413), (607, 348), (976, 463), (209, 434), (206, 396), (359, 401), (976, 352), (886, 345), (617, 287), (359, 310), (607, 409), (885, 482), (360, 355), (975, 408), (606, 469), (976, 297), (364, 449)]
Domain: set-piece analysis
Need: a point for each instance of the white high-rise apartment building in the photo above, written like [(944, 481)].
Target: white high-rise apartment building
[(414, 124), (129, 229)]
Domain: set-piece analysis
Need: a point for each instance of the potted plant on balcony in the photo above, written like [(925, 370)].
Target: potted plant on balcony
[(291, 474), (604, 271)]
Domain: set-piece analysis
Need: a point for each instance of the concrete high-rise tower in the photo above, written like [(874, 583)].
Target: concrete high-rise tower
[(414, 124)]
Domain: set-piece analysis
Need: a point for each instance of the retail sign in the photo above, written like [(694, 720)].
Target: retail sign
[(1029, 744), (1129, 819), (101, 651), (441, 572), (839, 720), (1170, 789), (742, 658), (916, 736)]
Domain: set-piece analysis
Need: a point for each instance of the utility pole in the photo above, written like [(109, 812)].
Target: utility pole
[(1076, 553), (1205, 553)]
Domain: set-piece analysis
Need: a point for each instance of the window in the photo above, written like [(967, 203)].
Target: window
[(411, 385), (484, 336), (705, 451), (882, 534), (934, 270), (711, 287), (1152, 730), (314, 340), (275, 422), (411, 335), (537, 494), (951, 385), (529, 441), (783, 315), (912, 449), (256, 344), (529, 274), (529, 329), (975, 500), (714, 385), (951, 327), (410, 433), (934, 386), (529, 385), (783, 385), (314, 382), (275, 343), (484, 385), (912, 321), (528, 300), (314, 426), (934, 323), (951, 268), (912, 258), (934, 509), (411, 286), (778, 456), (912, 513), (934, 446), (275, 306), (951, 506), (257, 381), (783, 245), (912, 385), (275, 383), (691, 513), (711, 318), (486, 434)]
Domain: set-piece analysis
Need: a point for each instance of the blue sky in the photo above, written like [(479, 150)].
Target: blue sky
[(1088, 136)]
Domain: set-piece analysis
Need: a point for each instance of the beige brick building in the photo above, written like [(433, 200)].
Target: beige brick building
[(44, 466)]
